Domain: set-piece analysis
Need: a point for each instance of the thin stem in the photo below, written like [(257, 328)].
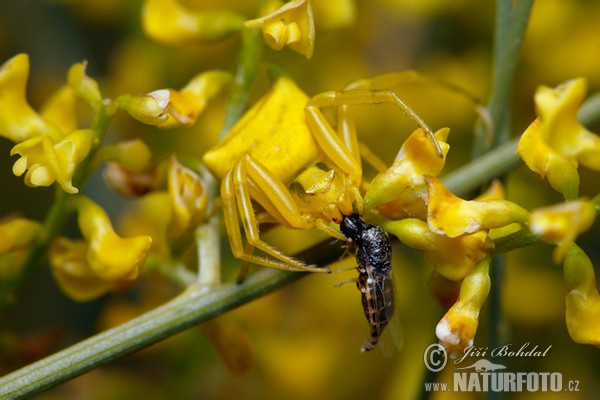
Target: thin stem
[(193, 306), (59, 212), (252, 45), (511, 22)]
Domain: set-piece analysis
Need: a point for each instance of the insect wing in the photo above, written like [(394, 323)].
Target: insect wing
[(392, 336)]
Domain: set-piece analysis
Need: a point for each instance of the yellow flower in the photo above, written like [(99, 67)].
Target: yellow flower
[(110, 256), (47, 161), (72, 271), (456, 331), (169, 108), (562, 223), (168, 22), (452, 216), (582, 300), (59, 109), (18, 121), (17, 232), (555, 143), (288, 24), (333, 14), (85, 87), (188, 196), (133, 155), (400, 191), (453, 258)]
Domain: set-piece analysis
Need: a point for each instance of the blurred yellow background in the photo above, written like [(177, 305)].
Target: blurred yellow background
[(303, 341)]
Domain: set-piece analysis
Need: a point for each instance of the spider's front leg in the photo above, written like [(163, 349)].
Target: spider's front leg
[(357, 95), (237, 202)]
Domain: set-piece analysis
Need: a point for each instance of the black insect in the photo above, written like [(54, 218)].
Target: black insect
[(375, 282)]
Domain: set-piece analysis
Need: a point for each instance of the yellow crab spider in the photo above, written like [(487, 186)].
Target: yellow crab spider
[(285, 156)]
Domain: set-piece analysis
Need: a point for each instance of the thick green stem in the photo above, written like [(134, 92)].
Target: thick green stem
[(190, 308)]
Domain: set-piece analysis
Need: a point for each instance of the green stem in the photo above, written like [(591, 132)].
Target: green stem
[(190, 308), (511, 22), (59, 213), (251, 52)]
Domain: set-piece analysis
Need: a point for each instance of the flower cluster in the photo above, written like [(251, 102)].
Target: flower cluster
[(458, 237)]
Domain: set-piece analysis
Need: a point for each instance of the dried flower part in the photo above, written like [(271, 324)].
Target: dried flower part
[(290, 24), (188, 197), (562, 223), (400, 191), (70, 267), (582, 300), (18, 232), (452, 258), (128, 183), (47, 160), (553, 146), (18, 121), (110, 256), (452, 216), (456, 331), (168, 22)]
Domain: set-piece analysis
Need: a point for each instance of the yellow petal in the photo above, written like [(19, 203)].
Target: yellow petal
[(59, 109), (85, 87), (542, 159), (583, 300), (72, 272), (400, 190), (334, 14), (456, 331), (557, 108), (452, 216), (291, 24), (168, 22), (110, 256), (562, 223), (453, 258), (18, 232), (133, 155), (18, 121)]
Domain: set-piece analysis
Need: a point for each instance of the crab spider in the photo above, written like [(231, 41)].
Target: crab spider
[(289, 160)]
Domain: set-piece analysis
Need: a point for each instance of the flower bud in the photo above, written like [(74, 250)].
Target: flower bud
[(85, 87), (582, 300), (167, 22), (110, 256), (400, 191), (17, 232), (456, 331), (189, 199), (288, 24)]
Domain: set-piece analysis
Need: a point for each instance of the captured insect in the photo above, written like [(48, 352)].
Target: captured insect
[(284, 163), (375, 280)]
